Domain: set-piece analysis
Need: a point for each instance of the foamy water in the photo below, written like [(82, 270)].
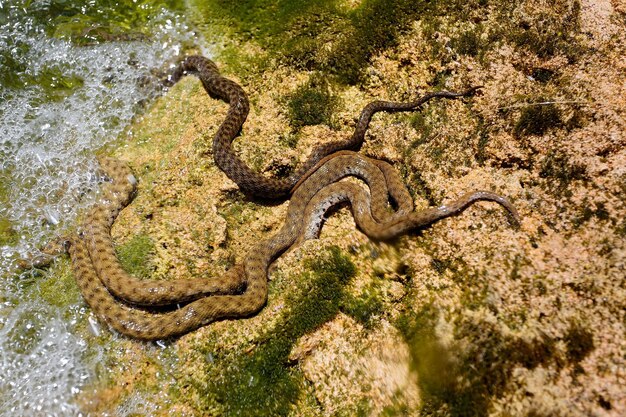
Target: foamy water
[(47, 174)]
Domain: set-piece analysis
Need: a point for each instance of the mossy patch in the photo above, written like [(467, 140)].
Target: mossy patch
[(8, 235), (472, 42), (312, 103), (136, 255), (298, 31), (376, 25), (60, 288), (537, 120), (461, 378), (547, 33), (262, 383), (339, 39), (364, 307), (588, 211), (237, 210), (557, 168), (579, 342)]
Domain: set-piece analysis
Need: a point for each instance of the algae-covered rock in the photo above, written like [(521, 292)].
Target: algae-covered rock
[(468, 317)]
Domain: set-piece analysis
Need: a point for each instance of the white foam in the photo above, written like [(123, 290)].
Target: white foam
[(48, 168)]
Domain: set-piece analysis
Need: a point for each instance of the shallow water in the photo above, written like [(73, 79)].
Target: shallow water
[(72, 79)]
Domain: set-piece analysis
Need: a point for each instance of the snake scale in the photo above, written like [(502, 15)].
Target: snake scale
[(310, 201), (123, 302), (252, 182)]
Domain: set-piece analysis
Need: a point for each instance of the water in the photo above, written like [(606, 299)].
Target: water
[(72, 77)]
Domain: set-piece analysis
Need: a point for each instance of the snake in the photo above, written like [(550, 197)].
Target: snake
[(97, 225), (244, 291), (252, 182)]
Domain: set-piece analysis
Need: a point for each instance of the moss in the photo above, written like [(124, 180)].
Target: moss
[(237, 210), (579, 342), (419, 187), (537, 120), (321, 35), (589, 211), (441, 265), (312, 103), (261, 383), (557, 167), (547, 33), (289, 140), (422, 122), (540, 285), (135, 256), (481, 147), (474, 297), (8, 236), (397, 409), (365, 307), (340, 40), (463, 383), (376, 25), (60, 288), (472, 42), (433, 362)]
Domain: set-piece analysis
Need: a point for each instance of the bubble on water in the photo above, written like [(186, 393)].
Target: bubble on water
[(48, 146), (48, 173)]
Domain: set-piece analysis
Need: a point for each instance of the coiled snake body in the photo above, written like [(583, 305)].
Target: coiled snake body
[(122, 301), (309, 202), (249, 181)]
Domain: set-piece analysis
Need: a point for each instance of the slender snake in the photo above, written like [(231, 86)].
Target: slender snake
[(123, 301), (252, 182), (310, 201)]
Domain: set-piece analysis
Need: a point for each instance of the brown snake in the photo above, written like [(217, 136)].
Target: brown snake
[(252, 182), (90, 260)]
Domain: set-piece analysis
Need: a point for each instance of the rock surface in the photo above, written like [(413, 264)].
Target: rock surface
[(468, 317)]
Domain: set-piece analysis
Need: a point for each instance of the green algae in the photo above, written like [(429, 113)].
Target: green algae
[(8, 235), (312, 103), (85, 22), (557, 168), (297, 31), (80, 22), (136, 255), (462, 377), (537, 120), (238, 210), (262, 382), (60, 288), (364, 307), (55, 82)]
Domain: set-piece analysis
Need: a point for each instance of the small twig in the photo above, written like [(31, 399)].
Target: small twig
[(542, 103)]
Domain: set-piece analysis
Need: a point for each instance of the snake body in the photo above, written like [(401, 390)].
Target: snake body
[(248, 180), (304, 217), (97, 232), (123, 301)]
